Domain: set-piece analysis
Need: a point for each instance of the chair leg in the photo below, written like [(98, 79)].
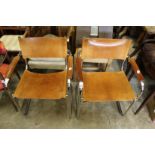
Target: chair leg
[(14, 103), (120, 109), (69, 111), (78, 110), (26, 106), (69, 103), (23, 105), (146, 100), (78, 104), (129, 107)]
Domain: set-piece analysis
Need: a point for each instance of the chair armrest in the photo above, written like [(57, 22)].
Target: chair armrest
[(69, 67), (138, 74), (78, 66), (136, 69), (12, 66)]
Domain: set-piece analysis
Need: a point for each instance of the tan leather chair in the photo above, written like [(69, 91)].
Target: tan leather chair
[(54, 85), (105, 86)]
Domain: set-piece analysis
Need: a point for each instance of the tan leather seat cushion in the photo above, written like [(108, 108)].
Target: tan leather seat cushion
[(41, 86), (106, 86)]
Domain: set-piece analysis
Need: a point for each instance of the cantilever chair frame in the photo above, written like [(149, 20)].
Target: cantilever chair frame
[(68, 68), (79, 87)]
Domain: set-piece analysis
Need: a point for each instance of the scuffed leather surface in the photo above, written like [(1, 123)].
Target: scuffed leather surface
[(42, 86), (43, 47), (106, 86), (97, 48)]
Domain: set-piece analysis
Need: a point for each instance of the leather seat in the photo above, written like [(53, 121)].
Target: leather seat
[(42, 86), (106, 86)]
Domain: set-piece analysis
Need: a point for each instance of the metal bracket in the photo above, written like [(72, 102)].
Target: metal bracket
[(5, 82), (80, 85)]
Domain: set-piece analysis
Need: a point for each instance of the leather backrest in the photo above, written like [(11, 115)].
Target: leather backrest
[(43, 47), (98, 48)]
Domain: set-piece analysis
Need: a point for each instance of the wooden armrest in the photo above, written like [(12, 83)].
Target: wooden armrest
[(78, 66), (12, 66), (136, 69), (70, 67)]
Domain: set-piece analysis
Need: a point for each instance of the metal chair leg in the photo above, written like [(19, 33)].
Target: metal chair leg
[(23, 105), (69, 104), (146, 100), (120, 109), (68, 108), (78, 104), (27, 106), (129, 107), (78, 110), (14, 103)]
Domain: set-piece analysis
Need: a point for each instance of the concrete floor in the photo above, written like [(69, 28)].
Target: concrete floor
[(51, 114)]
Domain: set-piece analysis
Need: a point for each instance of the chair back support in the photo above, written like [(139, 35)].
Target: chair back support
[(102, 48), (43, 47)]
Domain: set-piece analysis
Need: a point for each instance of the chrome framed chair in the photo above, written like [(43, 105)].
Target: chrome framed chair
[(106, 86), (53, 85)]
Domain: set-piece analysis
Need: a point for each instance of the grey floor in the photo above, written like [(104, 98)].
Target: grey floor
[(51, 114)]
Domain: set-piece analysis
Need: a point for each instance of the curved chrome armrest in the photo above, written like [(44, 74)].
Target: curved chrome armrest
[(138, 74), (142, 89)]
